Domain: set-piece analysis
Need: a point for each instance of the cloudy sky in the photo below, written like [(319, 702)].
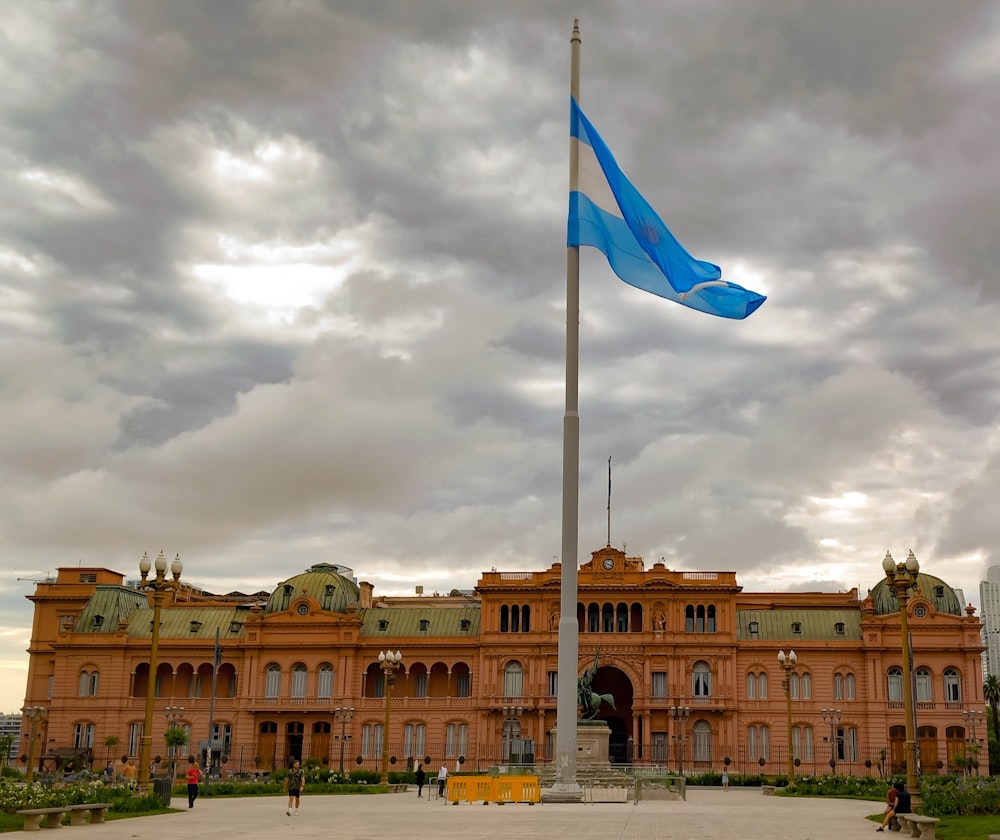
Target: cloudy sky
[(284, 283)]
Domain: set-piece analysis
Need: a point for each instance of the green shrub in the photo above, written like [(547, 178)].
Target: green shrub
[(971, 795)]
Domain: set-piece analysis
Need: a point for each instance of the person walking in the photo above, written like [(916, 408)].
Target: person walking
[(129, 773), (442, 779), (296, 783), (420, 776), (193, 778)]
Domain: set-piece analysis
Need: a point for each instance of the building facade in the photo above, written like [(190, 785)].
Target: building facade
[(690, 659), (989, 603)]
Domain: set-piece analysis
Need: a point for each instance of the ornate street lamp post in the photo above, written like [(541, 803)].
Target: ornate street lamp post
[(389, 663), (973, 718), (343, 716), (787, 664), (680, 714), (37, 716), (901, 578), (173, 714), (158, 586), (832, 717), (511, 733)]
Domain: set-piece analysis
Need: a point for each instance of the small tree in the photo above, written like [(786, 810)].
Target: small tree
[(110, 743), (175, 737), (6, 742)]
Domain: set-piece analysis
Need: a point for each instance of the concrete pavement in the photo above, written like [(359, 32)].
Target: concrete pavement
[(708, 813)]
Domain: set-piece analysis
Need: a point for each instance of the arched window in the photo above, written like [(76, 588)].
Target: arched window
[(894, 685), (923, 685), (593, 619), (711, 618), (621, 618), (89, 682), (415, 740), (607, 619), (762, 685), (515, 619), (699, 622), (807, 686), (702, 740), (850, 687), (299, 676), (689, 619), (802, 743), (513, 677), (838, 686), (758, 742), (526, 619), (751, 686), (952, 686), (272, 682), (324, 680), (793, 686), (701, 679), (504, 619), (83, 736)]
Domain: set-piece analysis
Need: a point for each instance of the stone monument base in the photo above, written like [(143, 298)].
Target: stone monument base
[(592, 737)]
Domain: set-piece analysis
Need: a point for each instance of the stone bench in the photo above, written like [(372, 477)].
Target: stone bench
[(767, 790), (917, 825), (54, 816)]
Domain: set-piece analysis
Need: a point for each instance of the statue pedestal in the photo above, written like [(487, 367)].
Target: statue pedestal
[(592, 737)]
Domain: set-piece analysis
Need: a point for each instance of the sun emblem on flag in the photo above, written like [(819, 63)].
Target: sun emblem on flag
[(648, 232)]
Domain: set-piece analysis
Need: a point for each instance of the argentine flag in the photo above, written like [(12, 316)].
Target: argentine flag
[(608, 213)]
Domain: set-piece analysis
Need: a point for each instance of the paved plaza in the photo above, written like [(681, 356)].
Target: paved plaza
[(740, 814)]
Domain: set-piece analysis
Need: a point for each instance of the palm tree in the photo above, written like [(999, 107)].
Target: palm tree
[(110, 743), (991, 693)]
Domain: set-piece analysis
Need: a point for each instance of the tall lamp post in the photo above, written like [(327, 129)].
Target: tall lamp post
[(37, 716), (901, 578), (680, 714), (343, 716), (173, 715), (158, 586), (511, 733), (832, 717), (787, 664), (973, 718), (389, 663)]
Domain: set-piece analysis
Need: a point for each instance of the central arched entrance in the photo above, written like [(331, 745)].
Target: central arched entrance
[(610, 680)]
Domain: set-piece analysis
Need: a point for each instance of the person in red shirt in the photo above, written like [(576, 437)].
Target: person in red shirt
[(194, 777)]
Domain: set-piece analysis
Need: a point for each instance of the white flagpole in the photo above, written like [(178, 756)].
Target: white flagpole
[(566, 788)]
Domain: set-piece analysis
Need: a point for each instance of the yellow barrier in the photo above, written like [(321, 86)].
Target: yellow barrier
[(498, 789)]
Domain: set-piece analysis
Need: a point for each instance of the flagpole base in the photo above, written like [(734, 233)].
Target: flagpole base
[(563, 792)]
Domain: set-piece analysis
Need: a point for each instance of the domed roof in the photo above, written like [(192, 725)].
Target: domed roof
[(932, 588), (324, 582)]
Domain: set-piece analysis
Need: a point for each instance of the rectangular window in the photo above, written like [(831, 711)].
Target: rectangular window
[(83, 735), (923, 686), (272, 684), (464, 685), (751, 687), (380, 684), (449, 741), (851, 690), (299, 682), (659, 683), (134, 733), (659, 747), (762, 686), (838, 686), (463, 739), (553, 682), (420, 687), (807, 687), (895, 686), (408, 740)]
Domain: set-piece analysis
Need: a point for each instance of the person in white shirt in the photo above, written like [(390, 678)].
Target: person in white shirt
[(442, 779)]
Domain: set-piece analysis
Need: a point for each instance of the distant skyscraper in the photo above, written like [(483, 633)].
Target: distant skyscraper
[(989, 600)]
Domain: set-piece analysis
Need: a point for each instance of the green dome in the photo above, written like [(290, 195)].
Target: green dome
[(932, 588), (324, 582)]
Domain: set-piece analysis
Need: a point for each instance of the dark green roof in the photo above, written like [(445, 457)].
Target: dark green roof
[(190, 622), (813, 625), (107, 607), (334, 592), (405, 622), (934, 589)]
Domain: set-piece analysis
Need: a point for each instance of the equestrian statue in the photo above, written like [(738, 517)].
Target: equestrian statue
[(587, 699)]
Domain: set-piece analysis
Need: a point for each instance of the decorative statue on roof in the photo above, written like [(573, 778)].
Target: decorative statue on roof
[(588, 701)]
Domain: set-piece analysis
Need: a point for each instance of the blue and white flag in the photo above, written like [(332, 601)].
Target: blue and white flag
[(608, 213)]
